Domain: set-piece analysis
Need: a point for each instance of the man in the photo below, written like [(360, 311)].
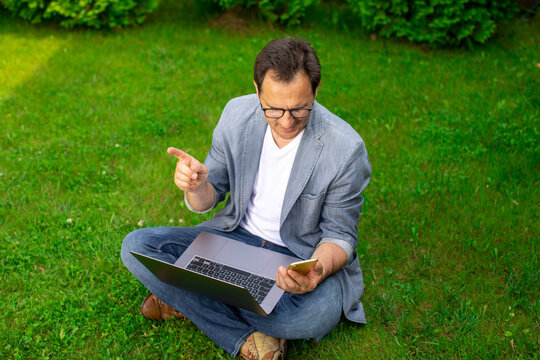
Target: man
[(294, 173)]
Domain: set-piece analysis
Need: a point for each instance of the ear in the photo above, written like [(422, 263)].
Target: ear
[(256, 88), (317, 90)]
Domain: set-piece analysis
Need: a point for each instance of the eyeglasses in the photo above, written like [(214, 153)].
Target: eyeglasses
[(276, 113)]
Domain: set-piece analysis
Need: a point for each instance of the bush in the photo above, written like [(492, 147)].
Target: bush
[(435, 22), (90, 13), (286, 12)]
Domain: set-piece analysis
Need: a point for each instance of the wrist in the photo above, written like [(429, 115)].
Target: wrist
[(201, 189), (202, 199), (326, 270)]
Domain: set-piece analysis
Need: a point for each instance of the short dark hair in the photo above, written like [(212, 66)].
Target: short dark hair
[(287, 57)]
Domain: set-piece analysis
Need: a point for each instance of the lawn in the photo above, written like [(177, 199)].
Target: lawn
[(448, 239)]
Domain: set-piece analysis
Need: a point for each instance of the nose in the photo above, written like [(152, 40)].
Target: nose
[(287, 120)]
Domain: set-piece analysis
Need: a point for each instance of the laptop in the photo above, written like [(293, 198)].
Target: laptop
[(226, 269)]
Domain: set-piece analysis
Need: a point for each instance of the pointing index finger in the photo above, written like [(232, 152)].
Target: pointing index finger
[(179, 154)]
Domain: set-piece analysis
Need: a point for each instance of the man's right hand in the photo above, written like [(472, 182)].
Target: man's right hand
[(190, 173)]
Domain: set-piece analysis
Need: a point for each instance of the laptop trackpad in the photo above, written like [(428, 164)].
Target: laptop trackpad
[(245, 257)]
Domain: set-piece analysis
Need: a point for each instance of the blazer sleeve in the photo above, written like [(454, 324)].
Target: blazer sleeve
[(217, 160), (343, 201)]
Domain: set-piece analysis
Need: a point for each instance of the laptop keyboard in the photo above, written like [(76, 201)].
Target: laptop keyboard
[(258, 286)]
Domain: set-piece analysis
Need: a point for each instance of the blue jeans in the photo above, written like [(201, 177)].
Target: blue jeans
[(306, 316)]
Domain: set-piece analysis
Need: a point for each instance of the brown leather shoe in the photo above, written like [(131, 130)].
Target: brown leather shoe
[(259, 346), (155, 309)]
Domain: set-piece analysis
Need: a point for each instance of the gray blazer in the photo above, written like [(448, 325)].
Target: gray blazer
[(323, 197)]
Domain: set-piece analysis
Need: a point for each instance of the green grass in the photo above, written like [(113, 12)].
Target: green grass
[(449, 232)]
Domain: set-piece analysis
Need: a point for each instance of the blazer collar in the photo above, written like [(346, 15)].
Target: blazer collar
[(251, 156), (304, 163)]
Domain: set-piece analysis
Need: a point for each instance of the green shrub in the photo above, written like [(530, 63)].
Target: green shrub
[(90, 13), (435, 22), (286, 12)]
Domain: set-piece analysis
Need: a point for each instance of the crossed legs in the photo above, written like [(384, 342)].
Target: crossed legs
[(306, 316)]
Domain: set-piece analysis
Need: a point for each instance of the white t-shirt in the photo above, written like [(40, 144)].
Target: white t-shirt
[(263, 212)]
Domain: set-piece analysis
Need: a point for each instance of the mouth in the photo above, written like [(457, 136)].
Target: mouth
[(289, 129)]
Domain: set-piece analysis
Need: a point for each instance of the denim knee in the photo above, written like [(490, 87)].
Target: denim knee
[(155, 241), (131, 243), (312, 327), (138, 241)]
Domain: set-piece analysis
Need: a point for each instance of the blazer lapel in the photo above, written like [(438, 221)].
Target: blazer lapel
[(304, 163), (251, 155)]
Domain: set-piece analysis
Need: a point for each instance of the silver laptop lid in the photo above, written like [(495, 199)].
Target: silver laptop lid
[(227, 251)]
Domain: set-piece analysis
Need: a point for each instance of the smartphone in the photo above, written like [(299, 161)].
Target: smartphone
[(303, 267)]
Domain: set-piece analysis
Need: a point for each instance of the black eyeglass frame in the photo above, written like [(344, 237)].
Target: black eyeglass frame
[(283, 111)]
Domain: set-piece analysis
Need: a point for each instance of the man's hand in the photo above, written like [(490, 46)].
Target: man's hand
[(331, 259), (190, 173), (190, 176), (296, 283)]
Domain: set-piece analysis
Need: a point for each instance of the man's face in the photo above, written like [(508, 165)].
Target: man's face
[(292, 95)]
